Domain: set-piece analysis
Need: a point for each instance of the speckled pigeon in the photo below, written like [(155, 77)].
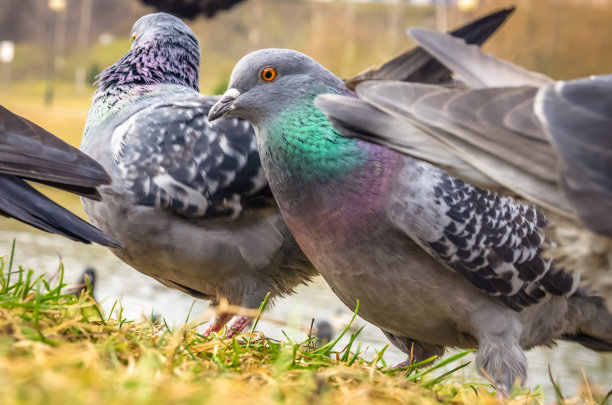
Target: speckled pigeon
[(548, 141), (28, 152), (190, 199), (432, 260)]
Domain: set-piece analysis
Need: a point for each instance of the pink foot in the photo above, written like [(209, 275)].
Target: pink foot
[(405, 363), (237, 325), (217, 323), (502, 393)]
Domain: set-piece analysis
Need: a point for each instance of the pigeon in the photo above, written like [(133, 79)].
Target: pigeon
[(546, 141), (192, 8), (324, 331), (28, 152), (433, 261), (87, 280), (190, 198)]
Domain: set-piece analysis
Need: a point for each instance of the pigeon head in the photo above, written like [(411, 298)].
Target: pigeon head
[(164, 51), (275, 90), (157, 27), (265, 81)]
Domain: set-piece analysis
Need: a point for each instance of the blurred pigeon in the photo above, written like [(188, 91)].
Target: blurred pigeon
[(87, 280), (192, 8), (432, 260), (28, 152), (547, 141), (324, 331), (190, 199)]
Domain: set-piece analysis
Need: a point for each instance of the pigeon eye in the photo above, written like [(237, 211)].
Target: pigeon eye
[(134, 36), (268, 74)]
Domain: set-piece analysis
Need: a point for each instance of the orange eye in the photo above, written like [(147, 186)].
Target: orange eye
[(134, 36), (268, 74)]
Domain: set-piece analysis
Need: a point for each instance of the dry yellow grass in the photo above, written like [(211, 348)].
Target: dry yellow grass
[(60, 349)]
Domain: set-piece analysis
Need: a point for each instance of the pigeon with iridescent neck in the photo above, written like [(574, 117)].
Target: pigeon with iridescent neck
[(432, 260), (189, 198)]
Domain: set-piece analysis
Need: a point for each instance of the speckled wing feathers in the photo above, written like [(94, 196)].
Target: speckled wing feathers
[(494, 241), (171, 157)]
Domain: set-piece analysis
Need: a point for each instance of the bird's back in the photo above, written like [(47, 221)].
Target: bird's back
[(189, 199)]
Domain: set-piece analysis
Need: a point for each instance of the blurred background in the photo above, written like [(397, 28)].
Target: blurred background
[(52, 50)]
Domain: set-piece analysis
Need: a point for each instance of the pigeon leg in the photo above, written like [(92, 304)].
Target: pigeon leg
[(217, 323), (416, 351), (237, 325), (501, 357)]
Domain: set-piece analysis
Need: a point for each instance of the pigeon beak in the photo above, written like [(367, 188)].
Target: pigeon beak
[(223, 106)]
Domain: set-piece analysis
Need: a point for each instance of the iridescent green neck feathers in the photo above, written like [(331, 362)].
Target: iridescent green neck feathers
[(306, 146)]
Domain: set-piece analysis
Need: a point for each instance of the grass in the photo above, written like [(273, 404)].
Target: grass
[(547, 36), (61, 349)]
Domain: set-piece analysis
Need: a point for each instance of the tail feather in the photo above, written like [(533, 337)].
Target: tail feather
[(21, 201), (599, 345), (29, 151), (590, 322)]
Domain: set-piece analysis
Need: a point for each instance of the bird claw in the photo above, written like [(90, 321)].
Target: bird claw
[(402, 364), (217, 324), (502, 393), (237, 325)]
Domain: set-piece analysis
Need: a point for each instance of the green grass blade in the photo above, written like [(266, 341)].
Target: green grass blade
[(325, 349), (262, 306), (418, 376)]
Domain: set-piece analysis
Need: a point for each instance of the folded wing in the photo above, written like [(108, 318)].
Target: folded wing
[(173, 158)]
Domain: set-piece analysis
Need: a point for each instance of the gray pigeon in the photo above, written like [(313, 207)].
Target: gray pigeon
[(87, 280), (547, 141), (433, 261), (28, 152), (190, 199), (324, 331)]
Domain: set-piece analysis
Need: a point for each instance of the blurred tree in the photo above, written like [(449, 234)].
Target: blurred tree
[(192, 8), (93, 72), (25, 20)]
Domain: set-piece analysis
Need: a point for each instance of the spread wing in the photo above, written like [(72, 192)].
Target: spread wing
[(20, 201), (28, 151), (356, 118), (577, 116), (494, 132), (493, 129), (494, 241), (173, 158)]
